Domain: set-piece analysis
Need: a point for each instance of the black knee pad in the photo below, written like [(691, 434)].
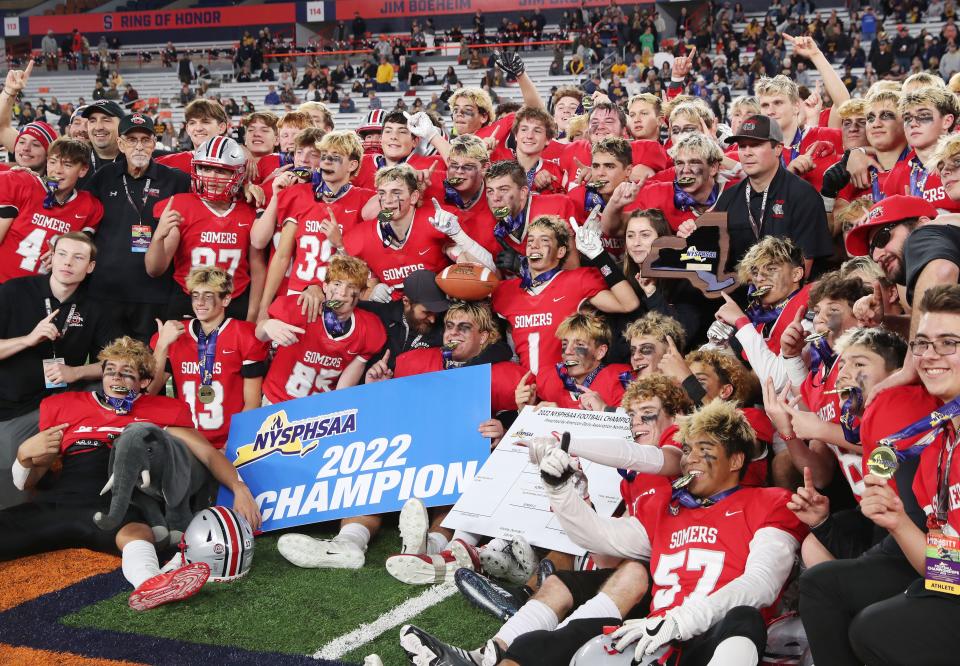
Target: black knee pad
[(745, 621)]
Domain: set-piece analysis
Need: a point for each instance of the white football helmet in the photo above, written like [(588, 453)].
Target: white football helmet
[(222, 539), (220, 152), (599, 651), (786, 641)]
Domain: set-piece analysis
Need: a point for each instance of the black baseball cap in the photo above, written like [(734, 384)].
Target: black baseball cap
[(135, 121), (421, 287), (106, 106), (759, 127)]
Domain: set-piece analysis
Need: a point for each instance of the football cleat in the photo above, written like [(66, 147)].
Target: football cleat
[(310, 553), (414, 523), (175, 585), (501, 602), (429, 569), (514, 561), (426, 650), (545, 569)]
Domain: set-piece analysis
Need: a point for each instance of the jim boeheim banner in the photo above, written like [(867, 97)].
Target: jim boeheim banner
[(363, 450)]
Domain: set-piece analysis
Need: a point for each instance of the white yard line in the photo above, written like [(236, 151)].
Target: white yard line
[(392, 618)]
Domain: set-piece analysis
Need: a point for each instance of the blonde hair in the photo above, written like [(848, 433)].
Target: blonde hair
[(742, 101), (954, 84), (586, 325), (673, 398), (346, 143), (658, 326), (922, 80), (882, 96), (851, 214), (401, 172), (349, 269), (321, 108), (481, 314), (948, 147), (871, 270), (469, 146), (647, 98), (768, 250), (577, 127), (940, 99), (778, 85), (852, 108), (479, 97), (213, 277), (696, 112), (128, 350), (700, 145), (884, 86), (721, 422)]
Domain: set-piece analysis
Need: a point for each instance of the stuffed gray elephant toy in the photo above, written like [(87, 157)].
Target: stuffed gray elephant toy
[(152, 469)]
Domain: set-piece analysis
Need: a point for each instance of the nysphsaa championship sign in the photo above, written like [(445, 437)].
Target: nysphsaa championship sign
[(363, 450)]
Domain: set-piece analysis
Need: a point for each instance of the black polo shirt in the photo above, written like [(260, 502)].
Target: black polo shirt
[(121, 275), (925, 244), (794, 210), (400, 337), (23, 302)]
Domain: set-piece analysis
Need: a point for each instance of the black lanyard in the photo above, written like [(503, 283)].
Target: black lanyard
[(143, 203), (757, 227), (66, 322)]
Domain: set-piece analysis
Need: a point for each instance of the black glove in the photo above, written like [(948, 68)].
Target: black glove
[(508, 261), (511, 63), (836, 178)]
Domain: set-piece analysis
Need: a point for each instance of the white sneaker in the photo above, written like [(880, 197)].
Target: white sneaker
[(414, 523), (310, 553), (526, 560), (513, 561)]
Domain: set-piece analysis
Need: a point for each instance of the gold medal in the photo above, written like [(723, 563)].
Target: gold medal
[(501, 212), (883, 462), (206, 394)]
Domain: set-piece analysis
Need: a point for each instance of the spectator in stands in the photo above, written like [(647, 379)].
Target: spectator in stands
[(374, 102), (266, 74), (287, 96), (244, 75), (130, 94), (231, 107), (450, 77), (51, 51), (169, 55), (112, 92), (271, 98), (358, 27), (187, 95), (950, 62), (186, 71), (385, 74), (347, 105), (99, 92)]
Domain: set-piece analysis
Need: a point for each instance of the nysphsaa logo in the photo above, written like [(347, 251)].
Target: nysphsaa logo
[(279, 434)]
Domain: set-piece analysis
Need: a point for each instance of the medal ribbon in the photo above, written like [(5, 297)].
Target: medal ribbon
[(511, 224), (330, 322), (821, 354), (684, 200), (286, 157), (50, 198), (850, 413), (794, 146), (918, 177), (527, 281), (322, 191), (451, 196), (119, 405), (591, 199), (387, 233), (932, 424), (877, 194), (533, 173), (570, 384), (207, 350), (680, 496), (625, 378), (761, 315)]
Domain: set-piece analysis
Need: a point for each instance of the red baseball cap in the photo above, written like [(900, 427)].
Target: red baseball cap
[(890, 210)]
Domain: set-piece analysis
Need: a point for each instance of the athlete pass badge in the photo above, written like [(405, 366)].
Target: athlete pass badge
[(140, 236), (943, 564)]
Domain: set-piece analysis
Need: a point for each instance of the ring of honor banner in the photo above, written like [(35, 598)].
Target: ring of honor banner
[(362, 450)]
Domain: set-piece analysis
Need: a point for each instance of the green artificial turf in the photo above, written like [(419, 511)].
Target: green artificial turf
[(278, 607)]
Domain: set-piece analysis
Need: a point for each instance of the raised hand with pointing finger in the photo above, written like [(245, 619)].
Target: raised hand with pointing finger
[(807, 503), (17, 79), (44, 330), (793, 338), (380, 370), (588, 236), (282, 333), (421, 126), (169, 220), (729, 312), (444, 221), (525, 394)]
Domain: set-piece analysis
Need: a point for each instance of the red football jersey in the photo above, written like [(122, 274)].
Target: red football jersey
[(237, 346), (182, 161), (314, 364), (824, 157), (209, 238), (606, 383), (578, 197), (534, 318), (422, 248), (757, 468), (814, 391), (648, 153), (477, 221), (698, 551), (34, 226), (504, 376), (660, 196), (298, 205), (370, 164), (898, 182), (927, 481), (93, 426), (542, 204), (266, 165)]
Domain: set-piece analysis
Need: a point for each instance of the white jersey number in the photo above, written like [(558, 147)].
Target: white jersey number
[(227, 259), (30, 249), (206, 416), (315, 254), (304, 379), (695, 559)]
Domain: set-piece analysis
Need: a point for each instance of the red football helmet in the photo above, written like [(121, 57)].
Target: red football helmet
[(220, 152)]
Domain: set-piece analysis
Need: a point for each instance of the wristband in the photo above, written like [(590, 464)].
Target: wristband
[(611, 272), (741, 322)]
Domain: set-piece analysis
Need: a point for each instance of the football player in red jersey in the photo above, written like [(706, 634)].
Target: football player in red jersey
[(315, 216), (34, 209), (260, 138), (217, 363), (609, 168), (77, 432), (650, 337), (532, 131), (29, 143), (210, 227), (205, 119), (535, 303), (582, 379), (328, 354), (697, 186), (643, 116), (399, 146), (407, 236), (288, 127)]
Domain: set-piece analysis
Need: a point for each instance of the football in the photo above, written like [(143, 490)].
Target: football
[(468, 282)]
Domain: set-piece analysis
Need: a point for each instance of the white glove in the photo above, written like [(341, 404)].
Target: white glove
[(444, 221), (381, 293), (421, 126), (539, 447), (588, 237), (649, 633), (556, 462)]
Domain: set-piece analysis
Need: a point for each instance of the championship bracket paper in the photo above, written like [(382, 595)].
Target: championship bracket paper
[(362, 450)]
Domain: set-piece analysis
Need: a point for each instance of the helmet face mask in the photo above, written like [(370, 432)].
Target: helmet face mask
[(225, 170), (222, 539)]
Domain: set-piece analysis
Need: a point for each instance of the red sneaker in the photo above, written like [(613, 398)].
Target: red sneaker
[(163, 588), (428, 569)]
